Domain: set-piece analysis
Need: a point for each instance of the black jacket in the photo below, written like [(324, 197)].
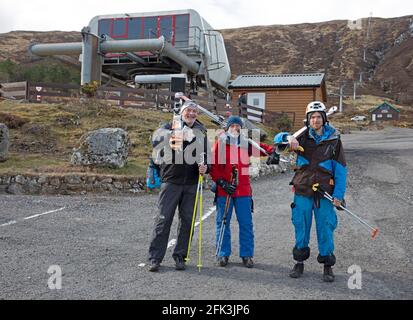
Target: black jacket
[(180, 167)]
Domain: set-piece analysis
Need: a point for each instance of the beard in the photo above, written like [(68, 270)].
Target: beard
[(233, 133), (189, 121)]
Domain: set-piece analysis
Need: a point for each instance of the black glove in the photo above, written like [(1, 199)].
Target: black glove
[(343, 204), (228, 187), (274, 158)]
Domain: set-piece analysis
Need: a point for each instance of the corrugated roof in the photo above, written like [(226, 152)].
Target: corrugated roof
[(278, 80)]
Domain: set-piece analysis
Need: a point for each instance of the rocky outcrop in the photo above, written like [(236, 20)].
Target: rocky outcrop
[(104, 147)]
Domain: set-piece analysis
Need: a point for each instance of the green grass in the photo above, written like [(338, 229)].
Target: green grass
[(29, 163), (65, 123)]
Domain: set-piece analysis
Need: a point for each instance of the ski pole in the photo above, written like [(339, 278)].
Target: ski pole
[(374, 231), (234, 180), (199, 191), (193, 217), (223, 224), (200, 226)]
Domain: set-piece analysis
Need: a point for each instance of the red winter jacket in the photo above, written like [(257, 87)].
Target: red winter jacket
[(226, 152)]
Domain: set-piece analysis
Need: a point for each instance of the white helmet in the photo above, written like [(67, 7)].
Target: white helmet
[(316, 106)]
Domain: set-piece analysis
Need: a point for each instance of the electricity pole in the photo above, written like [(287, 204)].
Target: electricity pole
[(354, 90), (341, 98)]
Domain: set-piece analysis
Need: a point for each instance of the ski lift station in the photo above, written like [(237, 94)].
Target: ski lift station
[(149, 48)]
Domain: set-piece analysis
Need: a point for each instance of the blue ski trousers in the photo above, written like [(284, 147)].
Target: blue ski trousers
[(325, 219), (244, 216)]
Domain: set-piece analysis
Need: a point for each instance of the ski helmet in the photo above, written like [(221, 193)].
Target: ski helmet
[(316, 106)]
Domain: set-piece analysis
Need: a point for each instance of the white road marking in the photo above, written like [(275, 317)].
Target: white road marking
[(31, 217), (210, 211), (204, 217), (42, 214), (8, 223)]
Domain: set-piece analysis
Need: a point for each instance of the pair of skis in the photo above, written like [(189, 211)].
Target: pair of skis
[(219, 120)]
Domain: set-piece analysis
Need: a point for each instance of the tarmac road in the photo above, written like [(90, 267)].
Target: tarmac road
[(100, 243)]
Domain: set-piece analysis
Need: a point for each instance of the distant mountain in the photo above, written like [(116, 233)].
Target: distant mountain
[(334, 47)]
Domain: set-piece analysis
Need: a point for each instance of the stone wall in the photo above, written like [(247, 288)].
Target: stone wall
[(80, 184), (70, 184)]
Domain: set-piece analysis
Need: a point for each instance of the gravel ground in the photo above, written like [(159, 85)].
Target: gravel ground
[(100, 243)]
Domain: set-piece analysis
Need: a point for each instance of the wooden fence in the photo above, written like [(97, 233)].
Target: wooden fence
[(123, 96), (41, 92)]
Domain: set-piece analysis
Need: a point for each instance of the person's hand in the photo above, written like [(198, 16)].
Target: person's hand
[(176, 141), (336, 202), (188, 134), (228, 187), (203, 169), (274, 158), (293, 143)]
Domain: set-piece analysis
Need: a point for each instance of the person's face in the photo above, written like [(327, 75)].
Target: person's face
[(234, 130), (316, 121), (189, 115)]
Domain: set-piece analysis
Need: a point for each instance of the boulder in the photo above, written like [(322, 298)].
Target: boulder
[(106, 147)]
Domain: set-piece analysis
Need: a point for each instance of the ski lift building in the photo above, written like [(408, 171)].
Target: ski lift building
[(157, 43), (185, 30)]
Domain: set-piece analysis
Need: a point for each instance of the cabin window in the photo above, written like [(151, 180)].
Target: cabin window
[(379, 116), (135, 28), (150, 27), (119, 28), (165, 25), (389, 116), (104, 27), (181, 30)]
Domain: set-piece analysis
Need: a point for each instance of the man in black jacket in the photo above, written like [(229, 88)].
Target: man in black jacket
[(181, 155)]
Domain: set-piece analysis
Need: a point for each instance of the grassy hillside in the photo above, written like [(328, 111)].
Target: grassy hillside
[(361, 106), (42, 136)]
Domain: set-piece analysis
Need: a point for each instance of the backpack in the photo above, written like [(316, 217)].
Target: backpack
[(153, 178)]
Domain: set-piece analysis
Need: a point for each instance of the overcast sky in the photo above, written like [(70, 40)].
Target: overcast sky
[(72, 15)]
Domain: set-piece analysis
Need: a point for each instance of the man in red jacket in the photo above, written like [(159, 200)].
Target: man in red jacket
[(232, 151)]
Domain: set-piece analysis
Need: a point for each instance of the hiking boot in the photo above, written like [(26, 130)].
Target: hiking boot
[(154, 266), (247, 261), (179, 263), (297, 270), (328, 275), (222, 261)]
